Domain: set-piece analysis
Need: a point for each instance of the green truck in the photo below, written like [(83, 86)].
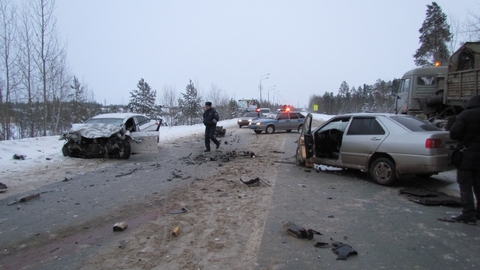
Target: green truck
[(438, 93)]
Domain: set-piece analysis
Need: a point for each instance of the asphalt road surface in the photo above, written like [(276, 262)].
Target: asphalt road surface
[(385, 229)]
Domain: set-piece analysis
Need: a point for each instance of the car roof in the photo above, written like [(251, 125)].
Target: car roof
[(117, 115), (371, 114)]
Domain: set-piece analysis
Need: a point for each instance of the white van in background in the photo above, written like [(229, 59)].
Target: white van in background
[(265, 111)]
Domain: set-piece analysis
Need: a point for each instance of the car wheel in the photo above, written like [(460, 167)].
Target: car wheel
[(270, 129), (299, 130), (298, 157), (65, 150), (258, 131), (127, 150), (239, 126), (288, 130), (383, 171)]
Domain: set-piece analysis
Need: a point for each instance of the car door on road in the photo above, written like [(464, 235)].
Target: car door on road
[(362, 138)]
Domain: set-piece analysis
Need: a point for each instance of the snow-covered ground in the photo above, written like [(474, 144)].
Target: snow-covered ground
[(46, 152)]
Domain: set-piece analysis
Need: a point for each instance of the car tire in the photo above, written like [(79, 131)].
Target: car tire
[(127, 150), (65, 151), (288, 130), (270, 129), (298, 158), (239, 126), (383, 171), (258, 131)]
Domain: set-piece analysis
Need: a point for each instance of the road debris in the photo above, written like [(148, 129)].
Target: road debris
[(428, 197), (123, 244), (252, 182), (343, 250), (299, 232), (176, 231), (29, 197), (119, 226), (19, 157), (3, 187), (179, 211), (322, 245), (130, 172)]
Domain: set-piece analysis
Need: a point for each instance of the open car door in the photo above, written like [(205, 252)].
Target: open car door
[(145, 142), (305, 143)]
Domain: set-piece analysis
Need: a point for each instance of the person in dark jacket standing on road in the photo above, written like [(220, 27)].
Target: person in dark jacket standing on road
[(210, 119), (466, 130)]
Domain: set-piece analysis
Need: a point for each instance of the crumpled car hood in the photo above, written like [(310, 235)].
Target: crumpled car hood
[(93, 131)]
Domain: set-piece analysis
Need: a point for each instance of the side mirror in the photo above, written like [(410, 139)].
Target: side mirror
[(395, 84)]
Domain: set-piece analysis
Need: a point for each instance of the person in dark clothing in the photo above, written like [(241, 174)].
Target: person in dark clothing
[(210, 119), (466, 130)]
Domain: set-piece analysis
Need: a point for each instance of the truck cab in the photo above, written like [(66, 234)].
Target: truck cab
[(416, 85)]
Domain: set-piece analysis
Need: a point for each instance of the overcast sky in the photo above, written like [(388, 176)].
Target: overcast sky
[(307, 47)]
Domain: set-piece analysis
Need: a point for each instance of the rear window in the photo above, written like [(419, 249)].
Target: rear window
[(414, 124), (251, 114)]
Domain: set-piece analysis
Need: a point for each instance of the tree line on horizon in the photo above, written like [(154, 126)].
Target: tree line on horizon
[(40, 96)]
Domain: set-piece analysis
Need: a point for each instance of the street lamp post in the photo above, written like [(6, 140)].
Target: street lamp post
[(271, 88), (260, 86), (275, 92)]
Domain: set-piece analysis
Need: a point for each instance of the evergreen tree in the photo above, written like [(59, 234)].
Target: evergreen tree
[(232, 108), (434, 36), (78, 111), (142, 100), (190, 107)]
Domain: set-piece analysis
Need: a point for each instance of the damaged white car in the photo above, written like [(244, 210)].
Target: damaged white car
[(115, 135)]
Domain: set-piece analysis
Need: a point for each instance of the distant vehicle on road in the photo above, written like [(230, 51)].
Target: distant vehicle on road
[(287, 121), (247, 118), (386, 145)]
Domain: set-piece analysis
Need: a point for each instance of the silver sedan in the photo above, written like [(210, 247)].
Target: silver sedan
[(387, 146)]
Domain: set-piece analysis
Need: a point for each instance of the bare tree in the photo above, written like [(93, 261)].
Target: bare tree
[(220, 101), (472, 27), (50, 54), (8, 55), (26, 68), (169, 102)]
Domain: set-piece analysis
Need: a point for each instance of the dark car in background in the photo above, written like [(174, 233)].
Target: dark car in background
[(287, 121), (387, 146), (248, 117)]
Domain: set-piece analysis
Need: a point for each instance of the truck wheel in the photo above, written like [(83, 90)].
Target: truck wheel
[(383, 171), (270, 129), (127, 150)]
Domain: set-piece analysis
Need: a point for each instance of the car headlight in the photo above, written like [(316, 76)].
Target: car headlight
[(259, 123), (239, 120), (250, 120)]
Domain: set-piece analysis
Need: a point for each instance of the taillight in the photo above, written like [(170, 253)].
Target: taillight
[(433, 143)]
